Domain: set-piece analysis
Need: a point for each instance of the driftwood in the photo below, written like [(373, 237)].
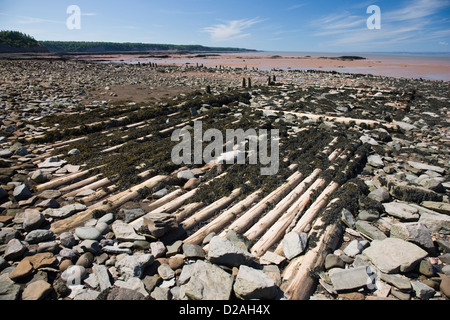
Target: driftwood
[(298, 279), (247, 219), (188, 210), (277, 231), (272, 216), (210, 210), (111, 203), (99, 194), (57, 182), (223, 219), (369, 123)]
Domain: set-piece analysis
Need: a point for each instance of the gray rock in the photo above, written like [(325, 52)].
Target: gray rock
[(14, 249), (352, 278), (116, 250), (68, 254), (380, 194), (223, 251), (124, 294), (422, 291), (425, 167), (193, 251), (8, 289), (158, 249), (52, 162), (32, 219), (88, 233), (102, 227), (160, 223), (432, 184), (402, 211), (375, 161), (38, 235), (392, 255), (67, 239), (133, 266), (174, 248), (48, 204), (107, 218), (369, 230), (353, 248), (3, 264), (186, 175), (414, 232), (399, 281), (131, 214), (6, 234), (161, 294), (209, 282), (91, 246), (50, 194), (254, 284), (22, 192), (85, 260), (125, 232), (333, 261), (185, 274), (165, 272), (134, 284), (435, 222), (38, 176), (294, 243), (161, 193), (347, 218), (66, 211), (440, 207), (368, 215)]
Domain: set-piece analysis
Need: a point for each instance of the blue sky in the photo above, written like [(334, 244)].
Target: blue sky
[(291, 25)]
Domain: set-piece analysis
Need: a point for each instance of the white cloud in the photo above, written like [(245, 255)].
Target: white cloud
[(232, 30), (296, 6), (443, 43)]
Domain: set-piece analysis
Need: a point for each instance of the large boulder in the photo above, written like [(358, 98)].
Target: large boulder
[(160, 223), (133, 266)]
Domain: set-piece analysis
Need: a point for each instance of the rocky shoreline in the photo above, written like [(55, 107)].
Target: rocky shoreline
[(93, 209)]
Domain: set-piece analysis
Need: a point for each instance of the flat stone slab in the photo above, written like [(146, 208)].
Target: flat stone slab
[(393, 255), (440, 207), (425, 167), (351, 278), (402, 211)]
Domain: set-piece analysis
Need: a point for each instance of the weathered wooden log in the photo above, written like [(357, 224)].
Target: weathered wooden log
[(93, 186), (54, 183), (299, 282), (210, 210), (174, 204), (247, 219), (111, 203), (277, 231), (188, 210), (164, 200), (223, 219), (345, 120), (99, 194), (273, 215), (80, 184)]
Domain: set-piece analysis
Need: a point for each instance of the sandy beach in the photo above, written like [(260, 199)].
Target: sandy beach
[(414, 67)]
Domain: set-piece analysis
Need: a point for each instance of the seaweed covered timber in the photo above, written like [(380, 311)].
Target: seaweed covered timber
[(92, 207)]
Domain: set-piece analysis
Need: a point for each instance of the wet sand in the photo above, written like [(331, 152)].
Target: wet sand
[(413, 68)]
